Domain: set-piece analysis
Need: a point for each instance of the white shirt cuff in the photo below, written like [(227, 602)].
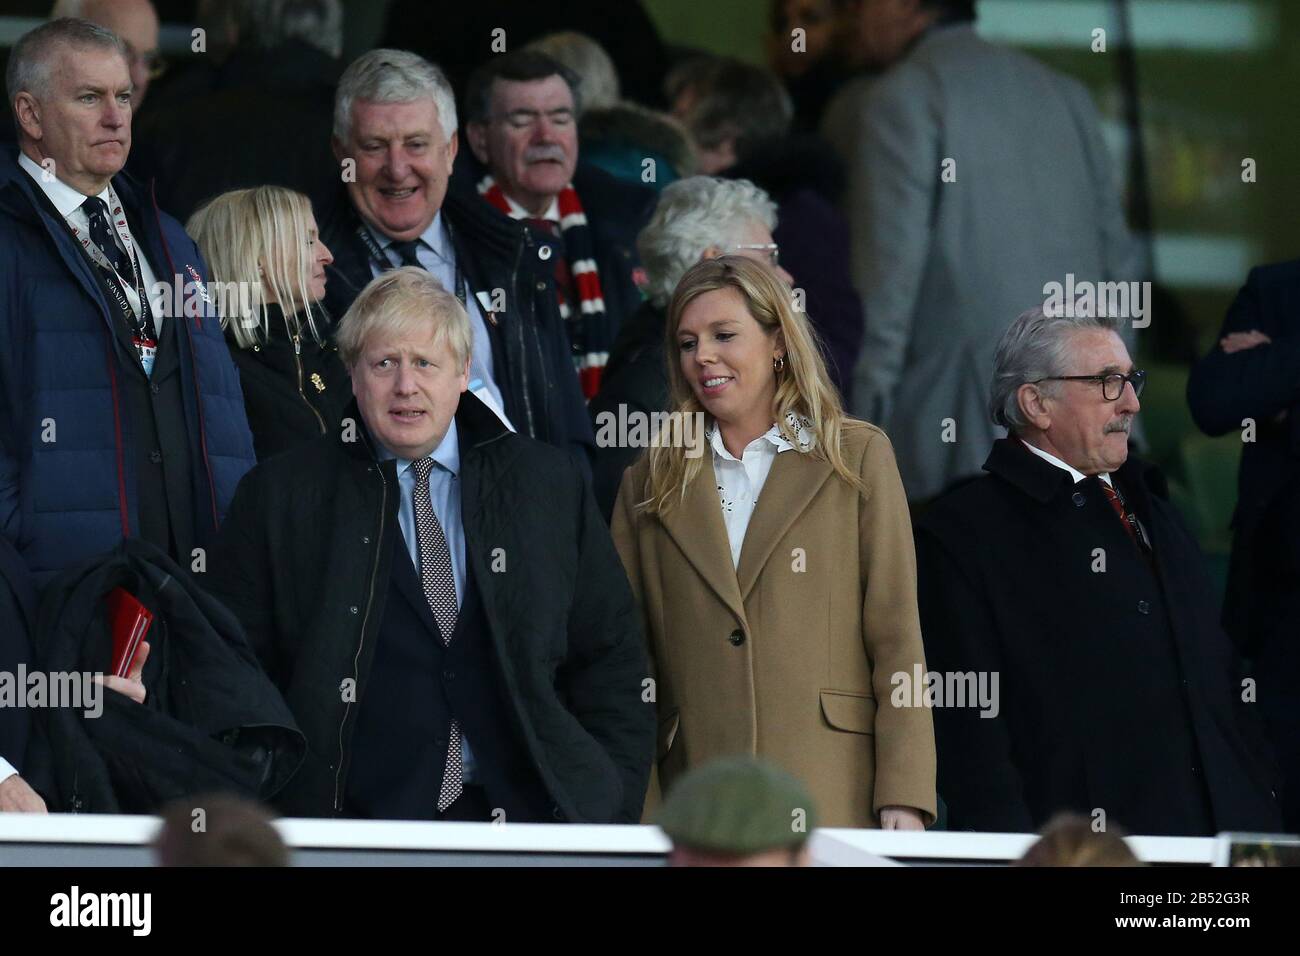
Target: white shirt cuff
[(6, 770)]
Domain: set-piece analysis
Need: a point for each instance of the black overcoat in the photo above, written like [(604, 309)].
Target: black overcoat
[(1117, 688)]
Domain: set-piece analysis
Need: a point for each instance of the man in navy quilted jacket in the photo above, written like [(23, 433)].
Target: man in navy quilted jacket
[(120, 409)]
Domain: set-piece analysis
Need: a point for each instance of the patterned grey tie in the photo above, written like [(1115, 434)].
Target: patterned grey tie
[(440, 592)]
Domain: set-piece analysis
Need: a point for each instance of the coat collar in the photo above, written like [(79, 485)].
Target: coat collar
[(476, 424), (696, 525), (791, 485), (1011, 461)]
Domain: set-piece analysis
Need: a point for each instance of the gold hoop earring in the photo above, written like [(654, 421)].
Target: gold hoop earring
[(778, 364)]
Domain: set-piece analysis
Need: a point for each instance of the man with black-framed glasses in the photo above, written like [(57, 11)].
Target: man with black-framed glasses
[(1068, 574)]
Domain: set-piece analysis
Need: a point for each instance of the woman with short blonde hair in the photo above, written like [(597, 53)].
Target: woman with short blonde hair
[(267, 267), (774, 566)]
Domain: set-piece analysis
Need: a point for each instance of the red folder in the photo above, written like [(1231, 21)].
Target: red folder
[(129, 620)]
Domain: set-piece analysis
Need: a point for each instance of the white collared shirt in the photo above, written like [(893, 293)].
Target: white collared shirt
[(68, 202), (1077, 475), (438, 256), (740, 480), (517, 211)]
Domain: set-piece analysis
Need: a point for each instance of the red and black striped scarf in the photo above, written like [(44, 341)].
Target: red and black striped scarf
[(590, 329)]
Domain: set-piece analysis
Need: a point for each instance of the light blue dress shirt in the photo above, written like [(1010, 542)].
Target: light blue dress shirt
[(444, 495), (436, 254)]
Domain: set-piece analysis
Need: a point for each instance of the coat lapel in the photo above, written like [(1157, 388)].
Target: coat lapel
[(696, 527), (794, 480)]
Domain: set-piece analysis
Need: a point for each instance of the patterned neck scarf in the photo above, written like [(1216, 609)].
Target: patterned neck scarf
[(591, 331)]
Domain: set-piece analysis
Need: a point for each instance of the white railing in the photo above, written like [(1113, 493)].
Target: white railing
[(831, 847)]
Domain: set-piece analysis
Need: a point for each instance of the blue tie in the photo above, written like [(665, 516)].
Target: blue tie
[(101, 234)]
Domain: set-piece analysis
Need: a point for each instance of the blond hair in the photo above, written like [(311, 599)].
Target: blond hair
[(254, 240), (400, 303), (803, 386)]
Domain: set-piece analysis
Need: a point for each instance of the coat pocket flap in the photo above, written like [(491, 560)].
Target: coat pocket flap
[(667, 734), (852, 712)]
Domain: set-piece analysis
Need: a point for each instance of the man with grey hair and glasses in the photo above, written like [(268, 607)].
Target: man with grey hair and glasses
[(1069, 618)]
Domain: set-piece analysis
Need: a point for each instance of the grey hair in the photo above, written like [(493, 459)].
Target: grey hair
[(393, 76), (1033, 348), (30, 60), (598, 86), (268, 24), (692, 215)]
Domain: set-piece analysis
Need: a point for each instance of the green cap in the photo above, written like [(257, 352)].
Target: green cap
[(738, 805)]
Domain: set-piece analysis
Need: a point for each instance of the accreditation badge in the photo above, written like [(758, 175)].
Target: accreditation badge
[(147, 350)]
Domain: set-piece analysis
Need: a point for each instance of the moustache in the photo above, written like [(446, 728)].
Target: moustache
[(537, 154), (1124, 425)]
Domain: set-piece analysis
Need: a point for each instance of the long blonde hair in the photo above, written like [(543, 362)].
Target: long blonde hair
[(803, 387), (252, 240)]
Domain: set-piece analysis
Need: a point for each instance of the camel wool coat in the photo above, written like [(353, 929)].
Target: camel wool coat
[(788, 656)]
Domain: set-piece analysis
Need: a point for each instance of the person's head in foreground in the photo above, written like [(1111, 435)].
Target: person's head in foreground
[(218, 830), (1067, 386), (738, 811), (406, 342), (1070, 840)]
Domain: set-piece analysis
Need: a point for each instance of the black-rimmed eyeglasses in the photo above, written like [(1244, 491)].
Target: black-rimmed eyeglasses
[(1112, 385)]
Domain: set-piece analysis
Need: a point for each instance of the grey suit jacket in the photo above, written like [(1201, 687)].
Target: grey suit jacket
[(944, 267)]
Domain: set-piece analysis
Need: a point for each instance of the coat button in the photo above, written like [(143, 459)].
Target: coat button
[(737, 637), (155, 457), (555, 812), (1144, 607), (449, 674), (541, 286), (365, 539), (352, 609), (153, 387), (1079, 499), (544, 252)]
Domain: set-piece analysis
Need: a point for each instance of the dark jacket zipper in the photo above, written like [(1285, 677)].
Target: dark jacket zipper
[(365, 619), (297, 361), (519, 326)]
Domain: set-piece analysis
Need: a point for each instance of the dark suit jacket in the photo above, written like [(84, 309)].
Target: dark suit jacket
[(1263, 384), (17, 617), (265, 117), (1117, 688)]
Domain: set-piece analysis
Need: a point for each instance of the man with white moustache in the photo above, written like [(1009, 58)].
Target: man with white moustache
[(1067, 572)]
